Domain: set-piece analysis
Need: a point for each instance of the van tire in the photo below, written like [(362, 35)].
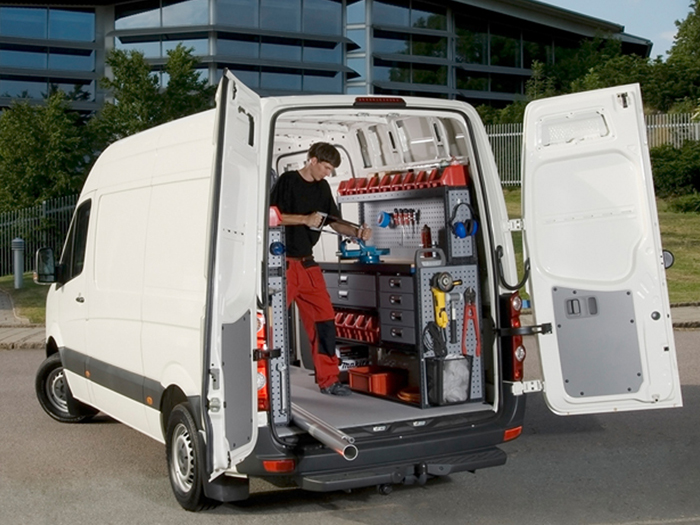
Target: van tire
[(54, 394), (185, 456)]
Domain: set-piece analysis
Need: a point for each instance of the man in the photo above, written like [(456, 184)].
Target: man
[(301, 196)]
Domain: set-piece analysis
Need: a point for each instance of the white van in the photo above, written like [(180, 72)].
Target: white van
[(167, 310)]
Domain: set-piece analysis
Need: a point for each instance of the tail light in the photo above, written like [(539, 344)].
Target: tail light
[(514, 357), (262, 376)]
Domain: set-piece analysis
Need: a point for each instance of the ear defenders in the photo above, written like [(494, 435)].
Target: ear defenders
[(463, 229)]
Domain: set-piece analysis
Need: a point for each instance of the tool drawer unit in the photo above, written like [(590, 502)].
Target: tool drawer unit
[(402, 305)]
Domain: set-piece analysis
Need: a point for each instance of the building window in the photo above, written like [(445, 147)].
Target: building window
[(323, 52), (149, 47), (239, 45), (23, 57), (428, 16), (358, 36), (536, 47), (323, 82), (359, 65), (281, 49), (280, 15), (355, 12), (25, 22), (23, 88), (74, 24), (239, 13), (391, 12), (141, 14), (429, 46), (280, 81), (505, 46), (323, 17), (72, 59), (199, 46), (391, 42), (250, 76), (472, 40), (470, 81), (185, 13)]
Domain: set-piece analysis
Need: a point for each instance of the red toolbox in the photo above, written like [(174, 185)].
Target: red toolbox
[(378, 380)]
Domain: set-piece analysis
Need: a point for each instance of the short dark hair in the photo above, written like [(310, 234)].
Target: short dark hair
[(325, 152)]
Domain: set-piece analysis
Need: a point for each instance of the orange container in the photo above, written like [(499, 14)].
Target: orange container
[(378, 380)]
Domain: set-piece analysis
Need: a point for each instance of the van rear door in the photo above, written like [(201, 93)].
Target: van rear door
[(597, 269), (230, 418)]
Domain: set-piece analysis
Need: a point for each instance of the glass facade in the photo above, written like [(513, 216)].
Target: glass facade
[(439, 48), (43, 49)]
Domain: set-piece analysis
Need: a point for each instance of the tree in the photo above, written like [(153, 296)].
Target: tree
[(44, 152), (140, 103)]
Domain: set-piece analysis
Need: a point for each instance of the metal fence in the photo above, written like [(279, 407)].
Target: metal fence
[(43, 225), (507, 139)]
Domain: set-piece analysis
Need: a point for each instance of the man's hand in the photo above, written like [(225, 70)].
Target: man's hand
[(364, 233), (313, 220)]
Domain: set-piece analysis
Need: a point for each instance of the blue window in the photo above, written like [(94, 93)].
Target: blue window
[(200, 46), (323, 82), (72, 59), (143, 13), (239, 46), (358, 65), (329, 53), (239, 13), (280, 15), (26, 22), (149, 48), (35, 59), (73, 24), (23, 88), (281, 49), (281, 81), (391, 12), (323, 17), (185, 13), (358, 36), (355, 12)]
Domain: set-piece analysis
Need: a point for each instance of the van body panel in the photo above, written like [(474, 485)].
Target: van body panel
[(236, 265), (592, 236)]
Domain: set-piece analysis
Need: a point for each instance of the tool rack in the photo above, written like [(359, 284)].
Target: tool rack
[(390, 305)]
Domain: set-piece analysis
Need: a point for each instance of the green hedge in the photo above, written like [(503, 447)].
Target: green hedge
[(676, 170)]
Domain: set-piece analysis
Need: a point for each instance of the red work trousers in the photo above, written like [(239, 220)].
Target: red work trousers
[(306, 287)]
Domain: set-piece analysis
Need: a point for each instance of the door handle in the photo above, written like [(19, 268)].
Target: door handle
[(80, 299)]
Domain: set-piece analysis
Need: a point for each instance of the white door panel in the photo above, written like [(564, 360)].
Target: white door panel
[(592, 236)]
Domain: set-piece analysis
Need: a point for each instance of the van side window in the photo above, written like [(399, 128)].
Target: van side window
[(74, 253)]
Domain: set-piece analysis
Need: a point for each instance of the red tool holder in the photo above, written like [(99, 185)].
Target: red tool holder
[(452, 175)]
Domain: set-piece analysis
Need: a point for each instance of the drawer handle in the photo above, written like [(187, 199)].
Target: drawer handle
[(396, 316), (343, 294), (396, 332), (343, 279), (394, 283), (395, 299)]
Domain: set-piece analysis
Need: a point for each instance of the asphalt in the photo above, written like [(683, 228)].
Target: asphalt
[(19, 334)]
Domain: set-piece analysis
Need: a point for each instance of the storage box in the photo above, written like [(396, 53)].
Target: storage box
[(378, 380), (449, 380)]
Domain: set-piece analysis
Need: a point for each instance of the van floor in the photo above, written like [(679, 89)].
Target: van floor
[(360, 409)]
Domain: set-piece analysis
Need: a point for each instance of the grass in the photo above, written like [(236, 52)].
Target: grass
[(680, 234), (30, 300)]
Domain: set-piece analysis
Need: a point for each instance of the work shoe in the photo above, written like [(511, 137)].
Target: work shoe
[(337, 389)]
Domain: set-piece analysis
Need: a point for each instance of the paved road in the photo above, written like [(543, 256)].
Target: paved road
[(635, 468)]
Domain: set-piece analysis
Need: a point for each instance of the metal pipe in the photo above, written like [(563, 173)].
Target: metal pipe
[(328, 435)]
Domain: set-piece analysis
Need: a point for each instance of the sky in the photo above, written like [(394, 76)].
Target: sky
[(650, 19)]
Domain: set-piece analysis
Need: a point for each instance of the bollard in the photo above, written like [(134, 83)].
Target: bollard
[(18, 253)]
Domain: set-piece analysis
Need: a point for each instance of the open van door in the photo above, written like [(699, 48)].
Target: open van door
[(230, 418), (591, 233)]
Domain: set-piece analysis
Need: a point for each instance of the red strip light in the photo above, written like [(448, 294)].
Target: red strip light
[(380, 101)]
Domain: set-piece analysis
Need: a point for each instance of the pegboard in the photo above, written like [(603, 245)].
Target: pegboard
[(278, 338), (404, 240), (469, 275), (459, 250)]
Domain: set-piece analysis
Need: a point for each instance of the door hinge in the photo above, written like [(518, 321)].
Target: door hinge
[(545, 328), (527, 387), (515, 225), (261, 355)]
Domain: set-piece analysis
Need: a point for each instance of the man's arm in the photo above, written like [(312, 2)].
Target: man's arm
[(312, 220), (363, 232)]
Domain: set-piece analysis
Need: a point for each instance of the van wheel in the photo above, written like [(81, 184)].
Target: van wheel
[(185, 460), (54, 394)]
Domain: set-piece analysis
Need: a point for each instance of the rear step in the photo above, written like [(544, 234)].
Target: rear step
[(406, 474)]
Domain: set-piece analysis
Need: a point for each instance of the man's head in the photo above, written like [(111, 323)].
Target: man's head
[(322, 158)]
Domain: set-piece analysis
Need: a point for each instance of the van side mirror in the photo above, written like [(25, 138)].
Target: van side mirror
[(45, 271)]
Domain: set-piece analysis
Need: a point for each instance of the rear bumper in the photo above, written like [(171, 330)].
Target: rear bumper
[(392, 458)]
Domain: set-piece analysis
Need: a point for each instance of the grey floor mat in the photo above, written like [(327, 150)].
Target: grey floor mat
[(360, 409)]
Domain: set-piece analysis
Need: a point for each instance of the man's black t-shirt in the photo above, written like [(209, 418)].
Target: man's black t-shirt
[(295, 196)]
